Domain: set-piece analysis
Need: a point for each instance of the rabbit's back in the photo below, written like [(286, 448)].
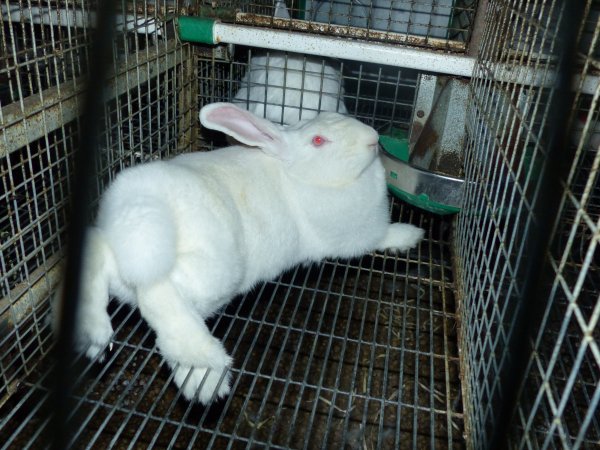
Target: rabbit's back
[(225, 205), (266, 224)]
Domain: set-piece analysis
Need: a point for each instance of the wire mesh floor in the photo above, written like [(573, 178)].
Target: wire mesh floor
[(342, 354)]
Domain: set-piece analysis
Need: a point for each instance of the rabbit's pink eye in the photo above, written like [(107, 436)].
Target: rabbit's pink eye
[(318, 140)]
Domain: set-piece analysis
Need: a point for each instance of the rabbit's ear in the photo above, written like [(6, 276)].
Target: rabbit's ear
[(244, 126)]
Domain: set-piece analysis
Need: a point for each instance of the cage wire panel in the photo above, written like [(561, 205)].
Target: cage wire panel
[(357, 353), (508, 141), (295, 86), (429, 23), (44, 56)]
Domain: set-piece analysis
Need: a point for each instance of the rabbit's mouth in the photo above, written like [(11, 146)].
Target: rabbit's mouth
[(374, 147)]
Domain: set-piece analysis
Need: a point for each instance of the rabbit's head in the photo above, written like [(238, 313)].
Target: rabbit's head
[(329, 150)]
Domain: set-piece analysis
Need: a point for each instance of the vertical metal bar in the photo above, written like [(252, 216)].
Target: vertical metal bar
[(275, 325), (115, 378), (85, 172), (415, 423), (351, 312), (478, 28), (76, 409), (363, 342), (450, 405), (318, 387), (403, 356), (430, 350)]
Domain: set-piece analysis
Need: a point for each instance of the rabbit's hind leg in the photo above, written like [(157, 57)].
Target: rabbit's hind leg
[(93, 327), (185, 341)]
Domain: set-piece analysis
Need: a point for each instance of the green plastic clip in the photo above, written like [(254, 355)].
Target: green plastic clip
[(196, 29)]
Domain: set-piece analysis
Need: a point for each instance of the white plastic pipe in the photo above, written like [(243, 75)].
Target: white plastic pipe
[(344, 48), (435, 61)]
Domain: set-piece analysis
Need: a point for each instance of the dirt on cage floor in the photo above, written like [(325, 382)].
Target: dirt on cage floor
[(342, 354)]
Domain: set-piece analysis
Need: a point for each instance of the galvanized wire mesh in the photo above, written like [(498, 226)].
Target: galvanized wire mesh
[(427, 23), (558, 404), (361, 353), (148, 114), (381, 96), (357, 353)]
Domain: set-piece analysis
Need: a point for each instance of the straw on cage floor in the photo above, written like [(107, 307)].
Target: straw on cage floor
[(342, 354)]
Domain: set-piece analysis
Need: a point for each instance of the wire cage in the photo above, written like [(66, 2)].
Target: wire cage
[(510, 128), (381, 96), (437, 23), (382, 351)]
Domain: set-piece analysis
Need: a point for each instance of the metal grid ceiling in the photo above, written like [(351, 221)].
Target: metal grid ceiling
[(148, 114), (558, 404), (439, 23)]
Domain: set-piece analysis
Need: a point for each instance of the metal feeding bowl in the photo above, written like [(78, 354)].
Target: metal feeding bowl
[(431, 191)]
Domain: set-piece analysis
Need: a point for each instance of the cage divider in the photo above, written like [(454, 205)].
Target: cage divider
[(81, 201)]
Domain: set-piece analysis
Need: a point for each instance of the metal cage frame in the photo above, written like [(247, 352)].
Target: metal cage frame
[(384, 351)]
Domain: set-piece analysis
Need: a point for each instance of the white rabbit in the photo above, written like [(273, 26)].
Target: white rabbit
[(181, 238), (286, 88)]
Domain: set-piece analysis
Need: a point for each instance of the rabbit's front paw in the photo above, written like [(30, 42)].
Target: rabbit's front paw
[(201, 383), (402, 237)]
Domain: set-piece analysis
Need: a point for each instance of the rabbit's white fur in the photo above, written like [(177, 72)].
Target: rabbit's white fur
[(288, 87), (180, 238), (285, 88)]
